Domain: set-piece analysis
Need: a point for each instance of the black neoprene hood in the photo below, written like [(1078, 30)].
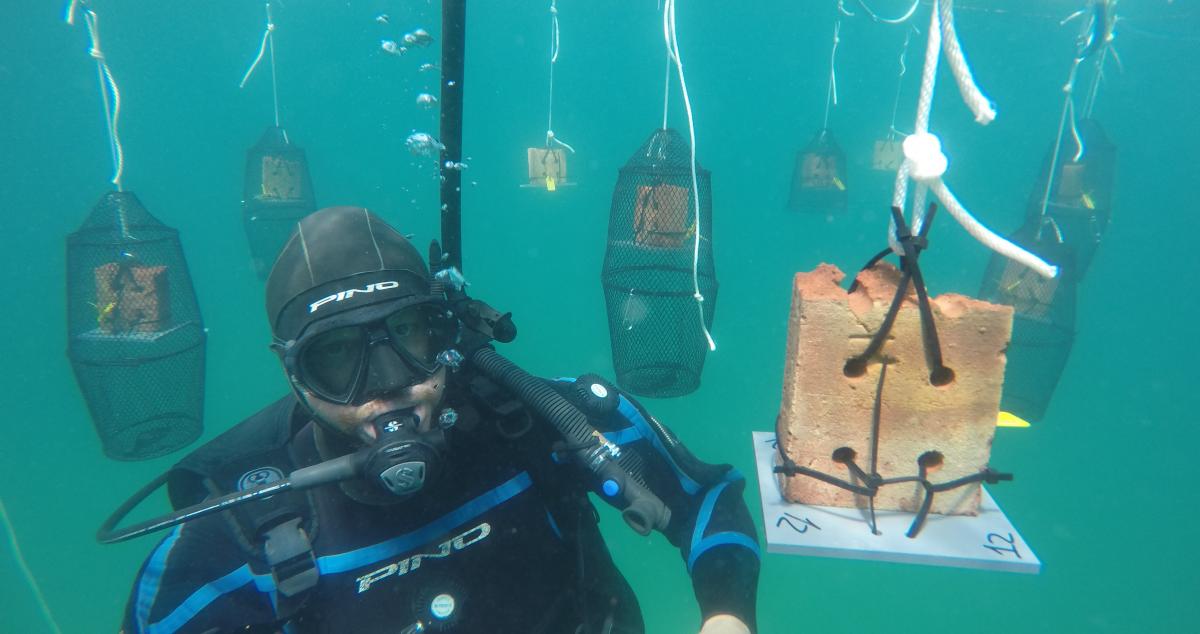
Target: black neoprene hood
[(338, 262)]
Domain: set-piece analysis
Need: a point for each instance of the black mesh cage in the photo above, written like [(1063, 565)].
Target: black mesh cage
[(277, 193), (654, 326), (1043, 320), (135, 337), (1080, 201), (819, 180)]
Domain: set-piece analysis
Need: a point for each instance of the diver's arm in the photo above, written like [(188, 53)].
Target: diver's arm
[(710, 523), (195, 581)]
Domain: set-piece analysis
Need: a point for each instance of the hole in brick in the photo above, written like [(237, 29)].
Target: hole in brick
[(931, 461), (843, 455), (941, 376), (855, 368)]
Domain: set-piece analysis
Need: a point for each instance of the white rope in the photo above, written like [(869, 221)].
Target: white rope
[(899, 84), (673, 53), (552, 139), (268, 39), (109, 94), (924, 161), (876, 17), (831, 94), (666, 90), (16, 548), (980, 105)]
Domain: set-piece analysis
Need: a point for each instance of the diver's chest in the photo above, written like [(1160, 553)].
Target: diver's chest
[(482, 558)]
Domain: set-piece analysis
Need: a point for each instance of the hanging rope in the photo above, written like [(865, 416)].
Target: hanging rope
[(924, 161), (109, 93), (551, 139), (673, 54), (20, 557), (892, 131), (1095, 39), (831, 94), (876, 17), (268, 40)]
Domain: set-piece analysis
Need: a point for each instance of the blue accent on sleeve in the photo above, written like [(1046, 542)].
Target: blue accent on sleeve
[(329, 564), (727, 538), (623, 436), (151, 579), (631, 413), (610, 488), (201, 599), (553, 524), (700, 543)]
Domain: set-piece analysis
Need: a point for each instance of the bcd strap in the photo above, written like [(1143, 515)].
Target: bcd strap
[(293, 566)]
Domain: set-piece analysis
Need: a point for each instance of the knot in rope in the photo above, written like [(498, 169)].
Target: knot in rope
[(270, 27), (96, 53), (924, 158)]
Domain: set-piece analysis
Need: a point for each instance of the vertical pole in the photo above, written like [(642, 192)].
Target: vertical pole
[(454, 27)]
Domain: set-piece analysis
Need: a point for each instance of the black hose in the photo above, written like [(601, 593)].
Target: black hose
[(620, 470)]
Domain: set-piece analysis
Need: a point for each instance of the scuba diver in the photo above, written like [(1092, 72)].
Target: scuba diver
[(461, 501)]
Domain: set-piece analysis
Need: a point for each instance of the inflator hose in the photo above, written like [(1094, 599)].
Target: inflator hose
[(643, 510)]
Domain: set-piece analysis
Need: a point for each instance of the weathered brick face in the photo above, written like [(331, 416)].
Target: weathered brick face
[(822, 409)]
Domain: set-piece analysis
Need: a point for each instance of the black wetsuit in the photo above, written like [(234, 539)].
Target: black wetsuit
[(507, 532)]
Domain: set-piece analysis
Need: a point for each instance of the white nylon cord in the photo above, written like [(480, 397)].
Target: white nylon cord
[(924, 161), (28, 574), (831, 93), (666, 90), (268, 39), (551, 138), (109, 94), (673, 54)]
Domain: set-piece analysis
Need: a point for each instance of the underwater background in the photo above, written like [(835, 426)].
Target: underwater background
[(1103, 490)]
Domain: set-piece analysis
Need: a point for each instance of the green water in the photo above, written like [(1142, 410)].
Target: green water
[(1102, 493)]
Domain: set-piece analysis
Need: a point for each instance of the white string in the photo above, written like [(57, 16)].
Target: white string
[(924, 160), (552, 139), (109, 94), (876, 17), (16, 548), (268, 39), (673, 54), (666, 90), (831, 93), (1067, 113), (899, 84)]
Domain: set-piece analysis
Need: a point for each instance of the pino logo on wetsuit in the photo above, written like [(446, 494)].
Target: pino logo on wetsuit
[(409, 564), (344, 295)]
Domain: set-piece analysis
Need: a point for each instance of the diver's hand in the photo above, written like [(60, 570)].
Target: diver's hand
[(724, 624)]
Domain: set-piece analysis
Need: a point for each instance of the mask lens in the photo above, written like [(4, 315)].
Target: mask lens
[(333, 360), (420, 333)]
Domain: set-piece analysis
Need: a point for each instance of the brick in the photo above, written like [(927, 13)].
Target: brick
[(822, 409)]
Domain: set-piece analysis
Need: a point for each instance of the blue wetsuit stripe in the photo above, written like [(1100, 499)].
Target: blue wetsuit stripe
[(329, 564), (727, 538), (332, 564), (634, 416), (700, 543), (152, 578), (200, 599)]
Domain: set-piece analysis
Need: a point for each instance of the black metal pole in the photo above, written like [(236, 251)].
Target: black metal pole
[(454, 46)]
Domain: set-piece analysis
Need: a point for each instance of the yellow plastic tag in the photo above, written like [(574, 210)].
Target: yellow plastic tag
[(550, 184), (1010, 420)]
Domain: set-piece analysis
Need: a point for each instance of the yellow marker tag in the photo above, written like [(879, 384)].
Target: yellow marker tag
[(1087, 201), (839, 184), (550, 184), (1010, 420)]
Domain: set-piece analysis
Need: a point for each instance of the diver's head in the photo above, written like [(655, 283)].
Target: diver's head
[(356, 321)]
